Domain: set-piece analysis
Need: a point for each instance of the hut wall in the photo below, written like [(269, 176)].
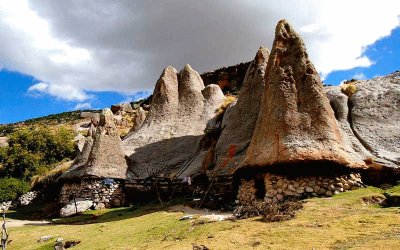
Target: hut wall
[(280, 187), (111, 195)]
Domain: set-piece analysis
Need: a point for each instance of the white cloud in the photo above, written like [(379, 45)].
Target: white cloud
[(79, 46), (359, 76), (64, 92), (82, 106)]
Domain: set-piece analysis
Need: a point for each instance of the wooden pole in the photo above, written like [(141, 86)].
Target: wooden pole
[(4, 233)]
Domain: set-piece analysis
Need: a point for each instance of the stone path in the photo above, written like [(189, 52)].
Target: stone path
[(20, 223)]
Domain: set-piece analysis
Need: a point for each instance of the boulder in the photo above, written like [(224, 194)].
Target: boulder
[(296, 122), (240, 118), (3, 142), (86, 114), (139, 119), (123, 107), (80, 141), (375, 117), (75, 207)]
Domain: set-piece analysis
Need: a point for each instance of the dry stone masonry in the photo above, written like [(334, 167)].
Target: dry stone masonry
[(100, 193), (279, 187), (27, 198)]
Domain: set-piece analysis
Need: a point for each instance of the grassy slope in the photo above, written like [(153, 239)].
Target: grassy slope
[(341, 222)]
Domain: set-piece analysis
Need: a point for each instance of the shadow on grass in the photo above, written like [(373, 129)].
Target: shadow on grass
[(37, 211), (113, 214)]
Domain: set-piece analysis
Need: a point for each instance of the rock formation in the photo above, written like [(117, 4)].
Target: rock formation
[(101, 156), (169, 138), (240, 118), (296, 123), (339, 103), (227, 78), (285, 136), (3, 142), (123, 107), (375, 117)]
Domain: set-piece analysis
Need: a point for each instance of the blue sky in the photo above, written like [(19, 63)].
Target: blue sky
[(385, 55), (104, 52), (17, 104)]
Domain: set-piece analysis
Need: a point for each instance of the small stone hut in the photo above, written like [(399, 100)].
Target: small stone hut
[(297, 148), (99, 171)]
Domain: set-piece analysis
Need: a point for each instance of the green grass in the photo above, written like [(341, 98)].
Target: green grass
[(341, 222), (394, 190)]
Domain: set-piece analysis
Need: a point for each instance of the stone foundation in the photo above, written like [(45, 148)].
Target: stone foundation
[(102, 195), (279, 187)]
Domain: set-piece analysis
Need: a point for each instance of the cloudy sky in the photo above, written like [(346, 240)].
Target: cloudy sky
[(63, 55)]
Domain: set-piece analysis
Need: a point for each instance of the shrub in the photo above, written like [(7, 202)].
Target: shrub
[(281, 211), (349, 88), (36, 150), (228, 100), (11, 188)]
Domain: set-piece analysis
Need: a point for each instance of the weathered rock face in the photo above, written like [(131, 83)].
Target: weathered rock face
[(164, 102), (169, 138), (375, 117), (240, 118), (296, 122), (139, 119), (340, 105), (101, 156), (191, 100)]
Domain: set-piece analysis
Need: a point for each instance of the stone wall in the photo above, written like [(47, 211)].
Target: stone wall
[(27, 198), (279, 187), (101, 194)]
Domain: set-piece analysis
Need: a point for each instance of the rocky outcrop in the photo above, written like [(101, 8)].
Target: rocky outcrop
[(340, 106), (139, 119), (375, 118), (3, 142), (240, 118), (296, 123), (123, 107), (164, 104), (168, 141), (229, 79), (101, 156), (191, 100)]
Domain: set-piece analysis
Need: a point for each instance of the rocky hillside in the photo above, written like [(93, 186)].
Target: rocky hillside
[(286, 136)]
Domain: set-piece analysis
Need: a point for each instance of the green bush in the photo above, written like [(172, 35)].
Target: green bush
[(11, 188), (35, 150)]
